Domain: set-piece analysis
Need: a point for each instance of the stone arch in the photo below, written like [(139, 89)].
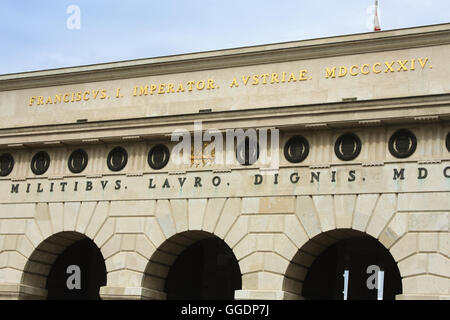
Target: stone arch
[(298, 268), (286, 224), (76, 219), (153, 237), (329, 218), (39, 265), (138, 237), (161, 261)]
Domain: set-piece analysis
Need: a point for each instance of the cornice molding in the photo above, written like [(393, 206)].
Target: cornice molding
[(257, 55), (382, 111)]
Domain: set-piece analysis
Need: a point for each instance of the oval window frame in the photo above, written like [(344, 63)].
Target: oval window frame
[(10, 169), (34, 169), (395, 135), (69, 161), (338, 142), (305, 154), (246, 162), (123, 164), (155, 148)]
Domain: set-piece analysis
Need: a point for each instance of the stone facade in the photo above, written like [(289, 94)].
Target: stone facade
[(275, 222)]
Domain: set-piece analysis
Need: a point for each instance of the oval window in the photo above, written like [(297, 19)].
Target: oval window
[(247, 152), (347, 146), (296, 149), (78, 161), (117, 159), (158, 157), (402, 143), (40, 163), (6, 164)]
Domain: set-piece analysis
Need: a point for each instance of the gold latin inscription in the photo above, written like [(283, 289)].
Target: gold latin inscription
[(270, 78), (291, 77), (167, 88), (393, 66), (68, 97)]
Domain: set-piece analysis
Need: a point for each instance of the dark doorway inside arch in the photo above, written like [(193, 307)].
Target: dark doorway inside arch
[(325, 281), (85, 255), (206, 270)]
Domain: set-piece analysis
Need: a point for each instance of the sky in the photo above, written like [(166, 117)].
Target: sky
[(35, 35)]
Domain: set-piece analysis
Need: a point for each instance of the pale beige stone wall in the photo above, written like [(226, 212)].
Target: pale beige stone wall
[(375, 165), (265, 226), (265, 235)]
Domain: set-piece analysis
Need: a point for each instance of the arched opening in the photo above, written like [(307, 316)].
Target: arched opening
[(199, 266), (69, 266), (78, 273), (326, 257)]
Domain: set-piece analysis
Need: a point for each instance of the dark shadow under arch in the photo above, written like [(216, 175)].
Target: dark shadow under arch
[(316, 272), (47, 267), (87, 256), (198, 266)]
